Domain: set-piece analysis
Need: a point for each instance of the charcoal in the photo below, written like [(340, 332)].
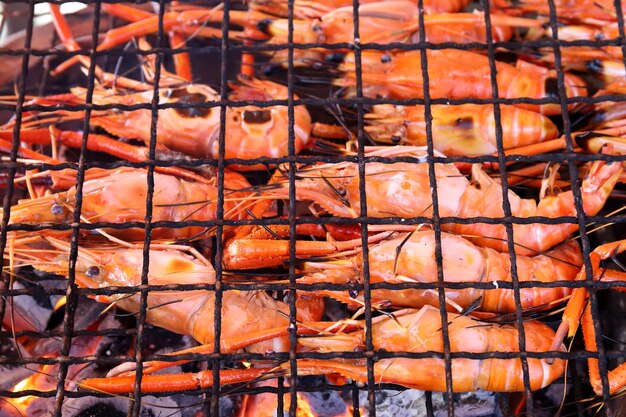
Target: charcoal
[(101, 410), (395, 403), (470, 404), (94, 407), (87, 312), (411, 403), (9, 410), (27, 312), (12, 374), (325, 403)]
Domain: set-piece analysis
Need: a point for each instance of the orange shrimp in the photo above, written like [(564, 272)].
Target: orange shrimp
[(307, 9), (251, 131), (403, 189), (398, 75), (174, 199), (403, 259), (393, 21), (413, 331), (610, 72), (582, 58), (467, 129), (596, 11), (181, 311)]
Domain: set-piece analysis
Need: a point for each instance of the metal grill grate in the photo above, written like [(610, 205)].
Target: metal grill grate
[(229, 51)]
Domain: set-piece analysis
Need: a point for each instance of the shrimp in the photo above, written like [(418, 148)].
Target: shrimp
[(121, 197), (393, 21), (384, 22), (251, 131), (593, 11), (467, 129), (413, 331), (410, 259), (398, 75), (189, 312), (307, 9), (403, 190)]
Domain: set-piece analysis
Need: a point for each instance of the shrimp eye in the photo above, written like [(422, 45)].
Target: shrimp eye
[(93, 271), (353, 293), (56, 209), (464, 122), (552, 87), (396, 139), (595, 66), (264, 25), (335, 57), (188, 98), (257, 116), (385, 58)]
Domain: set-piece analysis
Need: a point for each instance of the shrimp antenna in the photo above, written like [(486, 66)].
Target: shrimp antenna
[(341, 194), (475, 305)]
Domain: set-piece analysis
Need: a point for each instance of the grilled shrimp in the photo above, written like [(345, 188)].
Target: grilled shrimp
[(419, 331), (467, 129), (400, 260), (398, 75), (393, 21), (413, 331), (403, 189), (121, 197), (595, 11), (181, 311), (251, 131), (307, 9)]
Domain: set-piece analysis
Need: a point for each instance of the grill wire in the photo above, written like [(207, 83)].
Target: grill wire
[(229, 50)]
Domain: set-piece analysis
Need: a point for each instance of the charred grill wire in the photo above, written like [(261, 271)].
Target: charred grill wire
[(211, 400)]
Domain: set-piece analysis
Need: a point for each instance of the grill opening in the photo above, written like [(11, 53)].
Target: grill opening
[(56, 332)]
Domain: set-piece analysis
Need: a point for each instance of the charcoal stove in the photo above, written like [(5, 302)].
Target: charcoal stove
[(132, 339)]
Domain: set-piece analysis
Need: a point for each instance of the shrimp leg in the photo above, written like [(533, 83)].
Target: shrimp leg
[(578, 310)]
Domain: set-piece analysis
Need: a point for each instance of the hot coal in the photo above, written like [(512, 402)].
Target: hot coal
[(8, 410), (325, 403), (12, 374)]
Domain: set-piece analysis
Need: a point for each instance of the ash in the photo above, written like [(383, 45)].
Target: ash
[(411, 403)]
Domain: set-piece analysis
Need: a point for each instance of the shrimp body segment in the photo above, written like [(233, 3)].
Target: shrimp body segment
[(398, 75), (401, 260), (174, 200), (403, 190), (465, 130)]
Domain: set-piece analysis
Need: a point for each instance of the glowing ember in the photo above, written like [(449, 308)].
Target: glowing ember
[(21, 403), (60, 303), (303, 408), (327, 403)]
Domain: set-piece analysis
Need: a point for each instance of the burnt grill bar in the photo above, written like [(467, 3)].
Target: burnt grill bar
[(435, 216), (227, 49)]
